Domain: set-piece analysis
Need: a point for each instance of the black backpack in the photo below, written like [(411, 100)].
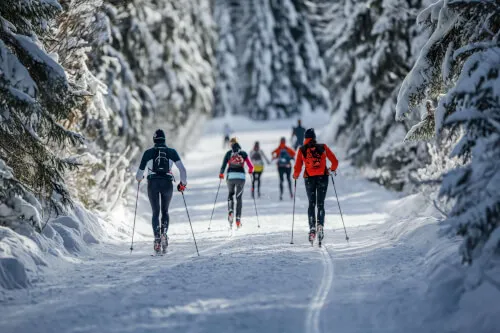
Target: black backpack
[(161, 163)]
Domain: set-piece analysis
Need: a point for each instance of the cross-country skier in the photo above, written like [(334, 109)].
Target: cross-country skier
[(298, 133), (257, 157), (316, 173), (159, 160), (284, 155), (235, 160), (227, 133)]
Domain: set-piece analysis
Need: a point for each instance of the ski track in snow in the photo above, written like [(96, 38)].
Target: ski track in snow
[(248, 280), (312, 324)]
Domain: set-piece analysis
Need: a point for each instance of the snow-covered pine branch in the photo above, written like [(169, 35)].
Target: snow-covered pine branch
[(465, 39)]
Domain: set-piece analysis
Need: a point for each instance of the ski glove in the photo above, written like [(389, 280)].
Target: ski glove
[(221, 176), (181, 187)]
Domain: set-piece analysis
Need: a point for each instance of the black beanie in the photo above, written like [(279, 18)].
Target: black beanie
[(310, 134), (159, 136)]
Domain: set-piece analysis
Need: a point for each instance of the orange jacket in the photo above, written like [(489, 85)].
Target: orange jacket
[(277, 151), (315, 161)]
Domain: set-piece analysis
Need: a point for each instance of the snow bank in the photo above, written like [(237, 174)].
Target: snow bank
[(461, 298), (25, 253)]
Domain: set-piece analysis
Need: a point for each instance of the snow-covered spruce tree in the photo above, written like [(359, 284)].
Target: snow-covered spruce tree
[(225, 88), (35, 97), (145, 64), (280, 67), (158, 66), (368, 47), (460, 67)]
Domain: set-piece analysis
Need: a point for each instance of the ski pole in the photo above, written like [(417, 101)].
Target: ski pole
[(189, 218), (256, 213), (135, 214), (215, 202), (293, 213), (340, 210)]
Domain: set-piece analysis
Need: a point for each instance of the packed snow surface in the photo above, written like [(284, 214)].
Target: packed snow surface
[(252, 279)]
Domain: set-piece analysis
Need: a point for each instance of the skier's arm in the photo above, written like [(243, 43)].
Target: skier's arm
[(178, 163), (291, 152), (224, 163), (249, 165), (274, 154), (298, 165), (331, 156), (182, 171), (144, 161), (265, 157)]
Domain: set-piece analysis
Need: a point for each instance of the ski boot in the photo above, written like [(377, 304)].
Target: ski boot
[(157, 246), (164, 243), (321, 235), (312, 235), (238, 223), (230, 218)]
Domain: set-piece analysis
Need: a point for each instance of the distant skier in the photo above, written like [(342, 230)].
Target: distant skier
[(314, 156), (257, 157), (227, 133), (284, 155), (235, 160), (298, 133), (159, 160)]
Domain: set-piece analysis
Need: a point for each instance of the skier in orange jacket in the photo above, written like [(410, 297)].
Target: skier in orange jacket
[(284, 155), (313, 155)]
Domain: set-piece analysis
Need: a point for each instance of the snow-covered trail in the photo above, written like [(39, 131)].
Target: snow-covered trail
[(251, 281)]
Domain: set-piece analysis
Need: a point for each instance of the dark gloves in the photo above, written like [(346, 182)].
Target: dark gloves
[(181, 187)]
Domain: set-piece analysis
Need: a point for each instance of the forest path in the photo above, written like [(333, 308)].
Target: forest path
[(251, 281)]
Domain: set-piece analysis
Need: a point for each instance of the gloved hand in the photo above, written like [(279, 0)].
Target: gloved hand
[(333, 171), (181, 187), (295, 177), (221, 176)]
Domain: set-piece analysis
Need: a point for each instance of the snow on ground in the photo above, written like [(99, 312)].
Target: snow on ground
[(253, 279)]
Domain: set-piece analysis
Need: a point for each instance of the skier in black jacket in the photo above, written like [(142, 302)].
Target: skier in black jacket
[(298, 132), (159, 160)]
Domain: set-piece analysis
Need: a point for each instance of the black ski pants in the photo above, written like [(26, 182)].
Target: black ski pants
[(160, 194), (316, 188), (256, 180), (235, 187), (285, 171)]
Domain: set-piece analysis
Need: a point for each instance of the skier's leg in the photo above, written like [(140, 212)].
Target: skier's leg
[(231, 191), (240, 186), (166, 197), (288, 177), (154, 200), (254, 178), (259, 176), (322, 187), (281, 172), (311, 196)]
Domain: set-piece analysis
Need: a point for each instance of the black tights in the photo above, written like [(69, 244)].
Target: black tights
[(316, 188), (256, 179), (285, 171)]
